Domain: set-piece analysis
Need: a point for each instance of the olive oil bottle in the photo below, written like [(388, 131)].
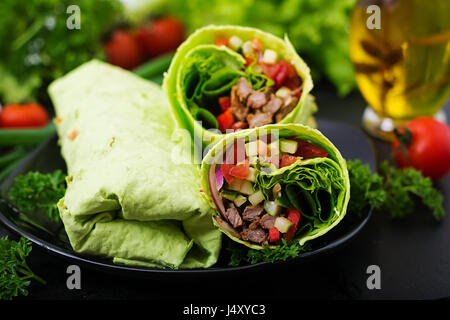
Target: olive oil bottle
[(402, 68)]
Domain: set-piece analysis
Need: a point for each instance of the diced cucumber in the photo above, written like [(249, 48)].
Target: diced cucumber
[(272, 208), (282, 224), (283, 92), (253, 160), (251, 148), (246, 188), (228, 194), (251, 174), (240, 200), (247, 48), (236, 184), (256, 198), (235, 43), (288, 146), (274, 147), (270, 56)]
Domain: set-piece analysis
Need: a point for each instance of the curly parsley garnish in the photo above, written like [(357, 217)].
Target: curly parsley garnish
[(39, 191), (15, 274)]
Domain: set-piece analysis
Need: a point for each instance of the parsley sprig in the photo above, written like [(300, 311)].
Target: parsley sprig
[(38, 191), (15, 274)]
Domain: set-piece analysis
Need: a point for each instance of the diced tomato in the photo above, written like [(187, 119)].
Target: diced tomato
[(282, 73), (225, 103), (287, 160), (240, 170), (270, 70), (307, 150), (274, 235), (248, 61), (226, 172), (291, 72), (222, 41), (293, 216), (225, 120), (257, 45)]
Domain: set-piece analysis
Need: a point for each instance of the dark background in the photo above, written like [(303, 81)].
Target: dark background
[(412, 254)]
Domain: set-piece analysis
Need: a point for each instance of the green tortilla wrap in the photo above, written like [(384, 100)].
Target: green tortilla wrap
[(127, 198), (294, 169), (202, 72)]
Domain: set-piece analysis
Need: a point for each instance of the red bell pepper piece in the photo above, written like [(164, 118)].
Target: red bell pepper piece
[(225, 103), (222, 42), (293, 216), (248, 61), (287, 160), (225, 120), (307, 150), (274, 235)]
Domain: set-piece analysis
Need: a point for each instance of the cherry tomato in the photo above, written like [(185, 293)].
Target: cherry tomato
[(28, 115), (123, 50), (426, 142), (161, 36)]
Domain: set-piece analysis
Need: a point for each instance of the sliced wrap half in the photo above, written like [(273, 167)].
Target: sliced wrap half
[(127, 198), (204, 88), (274, 182)]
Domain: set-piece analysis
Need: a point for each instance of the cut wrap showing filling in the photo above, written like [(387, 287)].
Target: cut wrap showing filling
[(228, 78), (276, 185)]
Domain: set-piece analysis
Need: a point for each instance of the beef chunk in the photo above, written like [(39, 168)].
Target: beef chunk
[(273, 105), (259, 119), (232, 215), (267, 221), (254, 225), (251, 213), (256, 100), (289, 104), (256, 235), (238, 109), (243, 89)]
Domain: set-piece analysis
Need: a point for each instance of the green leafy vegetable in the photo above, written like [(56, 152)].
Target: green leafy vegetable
[(39, 191), (318, 29), (15, 274), (37, 46)]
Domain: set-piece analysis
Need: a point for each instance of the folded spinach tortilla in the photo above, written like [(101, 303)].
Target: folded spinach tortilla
[(201, 72), (127, 199), (315, 182)]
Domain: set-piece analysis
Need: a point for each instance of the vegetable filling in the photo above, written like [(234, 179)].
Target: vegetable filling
[(273, 189), (237, 84)]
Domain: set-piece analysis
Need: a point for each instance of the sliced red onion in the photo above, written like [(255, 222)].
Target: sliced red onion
[(219, 178), (214, 191)]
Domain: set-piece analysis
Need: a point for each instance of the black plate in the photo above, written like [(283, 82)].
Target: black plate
[(350, 141)]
